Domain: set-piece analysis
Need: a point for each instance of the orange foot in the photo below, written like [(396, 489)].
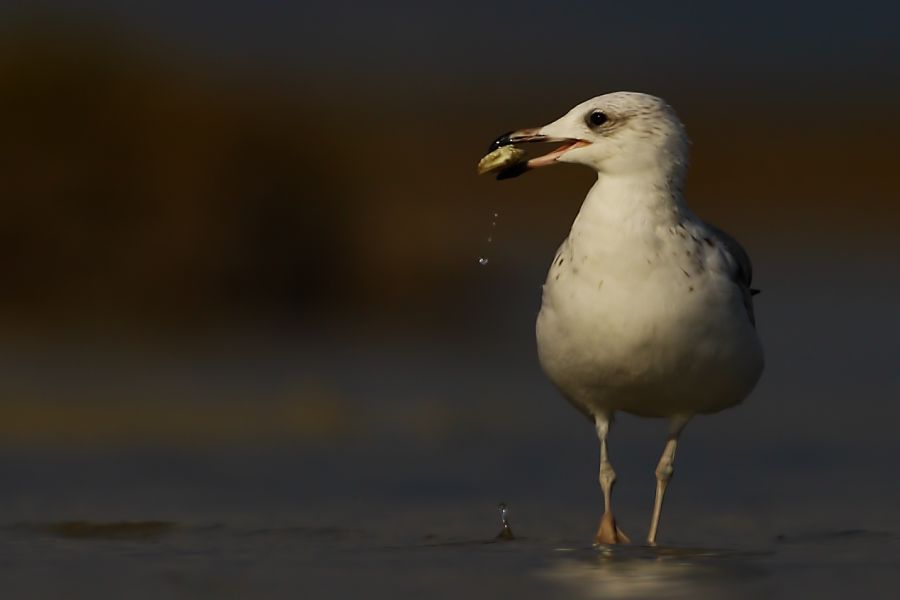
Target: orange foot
[(608, 533)]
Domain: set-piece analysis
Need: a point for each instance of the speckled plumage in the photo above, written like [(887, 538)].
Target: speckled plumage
[(646, 309)]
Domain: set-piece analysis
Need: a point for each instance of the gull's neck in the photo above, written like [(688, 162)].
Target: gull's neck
[(632, 202)]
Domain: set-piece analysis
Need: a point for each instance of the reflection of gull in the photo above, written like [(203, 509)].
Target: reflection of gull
[(674, 574), (633, 579), (646, 308)]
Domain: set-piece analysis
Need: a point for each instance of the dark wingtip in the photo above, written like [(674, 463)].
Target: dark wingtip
[(503, 140), (754, 292)]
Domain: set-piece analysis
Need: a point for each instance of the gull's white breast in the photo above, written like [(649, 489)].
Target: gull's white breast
[(646, 320)]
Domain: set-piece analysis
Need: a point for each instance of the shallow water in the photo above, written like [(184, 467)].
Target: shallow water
[(140, 560), (288, 522)]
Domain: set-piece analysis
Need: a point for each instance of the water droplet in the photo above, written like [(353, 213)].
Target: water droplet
[(483, 260), (504, 513), (505, 533)]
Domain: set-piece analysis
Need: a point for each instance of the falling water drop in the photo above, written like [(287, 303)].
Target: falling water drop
[(483, 260), (504, 513)]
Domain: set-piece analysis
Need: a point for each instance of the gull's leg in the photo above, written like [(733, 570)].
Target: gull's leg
[(664, 471), (607, 533)]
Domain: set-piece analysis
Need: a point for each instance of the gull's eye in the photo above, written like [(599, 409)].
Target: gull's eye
[(597, 118)]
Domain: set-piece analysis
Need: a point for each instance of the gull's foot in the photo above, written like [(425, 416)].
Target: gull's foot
[(608, 532)]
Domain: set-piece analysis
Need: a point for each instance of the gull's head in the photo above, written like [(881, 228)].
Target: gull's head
[(615, 134)]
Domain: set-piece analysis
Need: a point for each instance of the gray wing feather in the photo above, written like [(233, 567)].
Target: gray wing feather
[(743, 274)]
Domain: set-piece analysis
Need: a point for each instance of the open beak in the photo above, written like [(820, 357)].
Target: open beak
[(523, 136)]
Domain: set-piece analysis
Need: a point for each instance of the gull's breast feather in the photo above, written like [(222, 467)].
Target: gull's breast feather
[(656, 327)]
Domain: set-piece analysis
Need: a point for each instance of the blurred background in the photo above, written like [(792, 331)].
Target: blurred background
[(240, 276)]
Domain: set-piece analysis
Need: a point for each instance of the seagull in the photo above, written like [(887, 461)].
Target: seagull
[(646, 309)]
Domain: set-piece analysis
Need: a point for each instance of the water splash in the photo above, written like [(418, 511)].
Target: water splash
[(505, 533)]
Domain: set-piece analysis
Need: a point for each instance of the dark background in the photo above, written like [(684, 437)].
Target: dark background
[(240, 281)]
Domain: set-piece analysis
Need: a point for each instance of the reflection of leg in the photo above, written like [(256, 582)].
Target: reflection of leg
[(664, 471), (607, 533)]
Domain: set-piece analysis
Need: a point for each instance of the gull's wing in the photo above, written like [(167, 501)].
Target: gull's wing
[(743, 268)]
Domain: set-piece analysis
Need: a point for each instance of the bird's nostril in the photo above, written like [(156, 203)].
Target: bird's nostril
[(503, 140)]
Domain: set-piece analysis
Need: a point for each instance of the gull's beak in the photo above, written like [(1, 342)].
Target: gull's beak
[(523, 136)]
